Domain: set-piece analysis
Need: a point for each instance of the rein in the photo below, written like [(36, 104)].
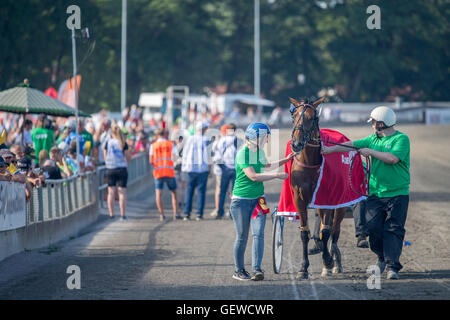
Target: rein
[(368, 164)]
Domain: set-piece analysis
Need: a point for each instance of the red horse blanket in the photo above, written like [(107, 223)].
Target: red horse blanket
[(333, 188)]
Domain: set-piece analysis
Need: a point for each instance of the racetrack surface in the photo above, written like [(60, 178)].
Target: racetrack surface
[(144, 258)]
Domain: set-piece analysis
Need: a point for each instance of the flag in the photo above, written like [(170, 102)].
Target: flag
[(66, 92)]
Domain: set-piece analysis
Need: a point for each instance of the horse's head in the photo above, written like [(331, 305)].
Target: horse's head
[(306, 122)]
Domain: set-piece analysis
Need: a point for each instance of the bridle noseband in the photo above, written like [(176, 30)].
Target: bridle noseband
[(306, 133)]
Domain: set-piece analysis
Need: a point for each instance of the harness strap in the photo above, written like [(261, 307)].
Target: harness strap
[(306, 166)]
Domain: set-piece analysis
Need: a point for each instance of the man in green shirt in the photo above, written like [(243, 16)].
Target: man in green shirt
[(42, 136), (387, 204)]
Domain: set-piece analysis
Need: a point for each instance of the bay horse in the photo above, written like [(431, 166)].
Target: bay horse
[(305, 172)]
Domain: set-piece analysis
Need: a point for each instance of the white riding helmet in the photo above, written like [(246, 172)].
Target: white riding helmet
[(384, 114)]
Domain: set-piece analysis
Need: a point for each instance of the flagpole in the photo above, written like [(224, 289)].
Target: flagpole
[(74, 57)]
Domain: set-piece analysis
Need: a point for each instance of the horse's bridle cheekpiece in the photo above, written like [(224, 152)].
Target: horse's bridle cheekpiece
[(299, 145)]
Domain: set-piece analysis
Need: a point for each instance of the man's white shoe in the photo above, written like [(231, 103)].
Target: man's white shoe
[(392, 275)]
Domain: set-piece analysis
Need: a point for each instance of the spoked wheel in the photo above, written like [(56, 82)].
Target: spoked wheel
[(277, 245)]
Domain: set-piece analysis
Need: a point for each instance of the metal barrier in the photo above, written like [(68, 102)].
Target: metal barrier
[(60, 198)]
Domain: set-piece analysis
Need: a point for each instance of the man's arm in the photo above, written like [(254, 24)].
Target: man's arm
[(383, 156), (337, 148)]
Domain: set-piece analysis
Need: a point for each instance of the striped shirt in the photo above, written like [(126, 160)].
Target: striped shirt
[(195, 154), (227, 150)]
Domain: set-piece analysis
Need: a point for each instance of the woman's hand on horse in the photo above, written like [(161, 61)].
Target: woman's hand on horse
[(290, 156), (282, 175)]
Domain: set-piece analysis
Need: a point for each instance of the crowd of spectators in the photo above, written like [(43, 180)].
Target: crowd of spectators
[(36, 148)]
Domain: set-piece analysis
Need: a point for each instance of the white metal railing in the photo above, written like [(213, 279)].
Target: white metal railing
[(59, 198)]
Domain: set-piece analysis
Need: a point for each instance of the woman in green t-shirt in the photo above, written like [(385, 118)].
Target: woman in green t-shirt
[(247, 191)]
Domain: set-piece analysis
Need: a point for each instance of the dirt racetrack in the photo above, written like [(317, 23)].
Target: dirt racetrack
[(144, 258)]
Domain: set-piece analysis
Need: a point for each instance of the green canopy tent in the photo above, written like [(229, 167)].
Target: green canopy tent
[(26, 100), (23, 100)]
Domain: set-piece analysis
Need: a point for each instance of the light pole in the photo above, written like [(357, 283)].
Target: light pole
[(257, 74), (123, 82), (74, 57)]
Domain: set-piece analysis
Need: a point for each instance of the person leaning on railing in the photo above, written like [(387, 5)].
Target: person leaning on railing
[(10, 159), (32, 179), (4, 175), (56, 155)]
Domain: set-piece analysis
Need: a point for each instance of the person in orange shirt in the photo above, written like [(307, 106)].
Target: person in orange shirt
[(162, 153)]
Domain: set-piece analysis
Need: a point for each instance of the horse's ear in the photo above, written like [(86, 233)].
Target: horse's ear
[(318, 101), (294, 101)]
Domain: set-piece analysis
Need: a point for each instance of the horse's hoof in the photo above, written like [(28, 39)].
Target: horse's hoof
[(326, 272), (328, 262), (302, 275), (337, 269)]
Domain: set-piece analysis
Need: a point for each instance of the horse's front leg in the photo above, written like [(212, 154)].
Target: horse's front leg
[(339, 215), (301, 207), (304, 236), (326, 217)]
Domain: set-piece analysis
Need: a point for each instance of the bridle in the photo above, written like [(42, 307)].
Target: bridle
[(307, 137), (307, 134)]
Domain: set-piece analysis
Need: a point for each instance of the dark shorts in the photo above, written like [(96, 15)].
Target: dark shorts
[(117, 177), (171, 183)]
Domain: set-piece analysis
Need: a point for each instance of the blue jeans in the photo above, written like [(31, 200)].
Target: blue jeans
[(194, 180), (241, 211), (228, 175)]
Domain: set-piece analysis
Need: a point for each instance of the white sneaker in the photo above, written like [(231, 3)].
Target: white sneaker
[(392, 275), (213, 213)]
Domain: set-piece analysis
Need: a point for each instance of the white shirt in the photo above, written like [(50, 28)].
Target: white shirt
[(195, 154), (26, 138), (227, 150), (217, 158)]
